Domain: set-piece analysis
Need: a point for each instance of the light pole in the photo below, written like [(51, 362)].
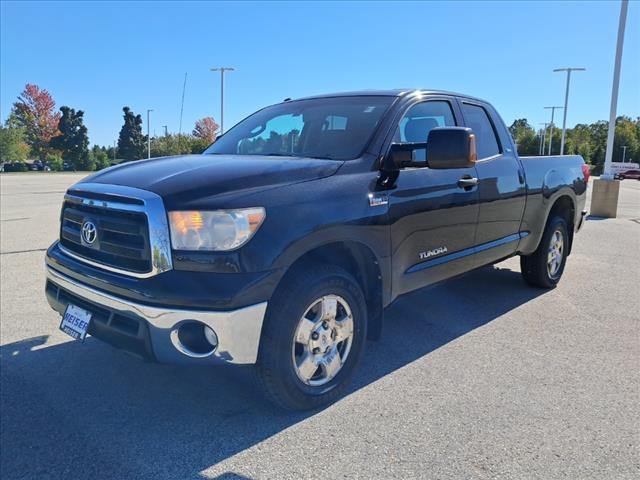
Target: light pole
[(149, 110), (543, 136), (222, 70), (566, 100), (624, 152), (114, 151), (614, 91), (553, 111)]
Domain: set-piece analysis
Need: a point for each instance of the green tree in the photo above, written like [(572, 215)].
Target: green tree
[(99, 157), (626, 135), (131, 142), (169, 145), (12, 145), (73, 141), (527, 142), (54, 159)]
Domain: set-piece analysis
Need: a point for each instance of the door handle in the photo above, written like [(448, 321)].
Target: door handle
[(468, 182)]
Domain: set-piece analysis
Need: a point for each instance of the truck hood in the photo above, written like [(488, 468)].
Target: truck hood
[(184, 179)]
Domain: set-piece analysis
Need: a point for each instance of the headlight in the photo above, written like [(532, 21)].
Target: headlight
[(218, 230)]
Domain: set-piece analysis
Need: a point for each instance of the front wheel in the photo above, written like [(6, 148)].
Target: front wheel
[(544, 267), (313, 337)]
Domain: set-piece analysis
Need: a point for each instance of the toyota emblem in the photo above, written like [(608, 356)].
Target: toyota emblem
[(89, 232)]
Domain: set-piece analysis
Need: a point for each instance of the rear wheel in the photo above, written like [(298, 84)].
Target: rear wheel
[(544, 267), (313, 337)]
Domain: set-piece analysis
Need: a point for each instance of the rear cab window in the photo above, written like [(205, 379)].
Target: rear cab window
[(477, 118)]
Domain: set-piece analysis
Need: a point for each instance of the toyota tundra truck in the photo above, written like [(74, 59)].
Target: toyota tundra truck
[(283, 243)]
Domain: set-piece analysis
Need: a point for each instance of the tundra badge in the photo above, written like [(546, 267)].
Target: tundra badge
[(431, 253)]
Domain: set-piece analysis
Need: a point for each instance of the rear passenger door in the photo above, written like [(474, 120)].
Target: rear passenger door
[(502, 184)]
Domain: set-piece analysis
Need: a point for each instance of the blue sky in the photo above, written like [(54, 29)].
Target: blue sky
[(99, 57)]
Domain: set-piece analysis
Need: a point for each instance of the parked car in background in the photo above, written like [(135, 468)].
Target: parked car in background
[(633, 174), (282, 244), (15, 167)]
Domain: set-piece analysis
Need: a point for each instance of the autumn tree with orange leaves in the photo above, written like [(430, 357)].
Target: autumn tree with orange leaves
[(206, 129), (35, 113)]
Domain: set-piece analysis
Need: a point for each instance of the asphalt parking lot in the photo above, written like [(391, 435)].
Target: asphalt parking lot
[(481, 377)]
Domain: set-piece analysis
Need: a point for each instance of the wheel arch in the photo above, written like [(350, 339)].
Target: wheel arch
[(562, 204), (359, 260), (565, 207)]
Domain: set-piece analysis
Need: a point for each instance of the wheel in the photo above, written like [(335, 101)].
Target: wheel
[(544, 267), (313, 337), (620, 177)]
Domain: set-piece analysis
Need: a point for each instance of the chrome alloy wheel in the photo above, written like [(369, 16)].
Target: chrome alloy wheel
[(555, 254), (322, 340)]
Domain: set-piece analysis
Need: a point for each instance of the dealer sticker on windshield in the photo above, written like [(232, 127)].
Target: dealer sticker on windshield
[(75, 322)]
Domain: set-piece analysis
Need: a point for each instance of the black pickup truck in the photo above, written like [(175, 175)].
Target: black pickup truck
[(283, 243)]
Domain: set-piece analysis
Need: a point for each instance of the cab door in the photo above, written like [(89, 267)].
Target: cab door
[(432, 214), (501, 188)]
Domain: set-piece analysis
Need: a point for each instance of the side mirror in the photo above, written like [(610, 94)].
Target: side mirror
[(401, 155), (451, 147)]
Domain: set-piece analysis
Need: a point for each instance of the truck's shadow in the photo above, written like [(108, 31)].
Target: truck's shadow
[(78, 410)]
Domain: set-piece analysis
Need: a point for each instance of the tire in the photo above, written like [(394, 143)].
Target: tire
[(285, 366), (620, 177), (537, 269)]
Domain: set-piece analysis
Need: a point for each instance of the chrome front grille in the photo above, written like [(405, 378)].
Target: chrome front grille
[(128, 229), (122, 239)]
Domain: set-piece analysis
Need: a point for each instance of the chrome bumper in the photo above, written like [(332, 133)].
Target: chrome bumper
[(238, 331)]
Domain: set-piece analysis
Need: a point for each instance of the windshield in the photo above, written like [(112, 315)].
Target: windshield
[(336, 128)]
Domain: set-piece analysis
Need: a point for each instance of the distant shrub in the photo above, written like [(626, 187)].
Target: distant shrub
[(55, 161)]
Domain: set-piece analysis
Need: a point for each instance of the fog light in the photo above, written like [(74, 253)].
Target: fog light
[(194, 339)]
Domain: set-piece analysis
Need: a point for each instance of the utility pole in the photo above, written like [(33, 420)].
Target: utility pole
[(553, 111), (184, 88), (624, 152), (566, 100), (222, 70), (543, 137), (149, 110), (114, 151), (614, 91)]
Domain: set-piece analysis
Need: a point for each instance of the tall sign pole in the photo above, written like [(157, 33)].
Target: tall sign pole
[(614, 91)]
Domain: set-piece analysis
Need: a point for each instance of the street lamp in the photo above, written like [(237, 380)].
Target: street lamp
[(149, 110), (553, 111), (543, 137), (624, 152), (222, 70), (566, 100)]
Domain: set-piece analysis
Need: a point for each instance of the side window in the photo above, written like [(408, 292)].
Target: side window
[(420, 120), (477, 119)]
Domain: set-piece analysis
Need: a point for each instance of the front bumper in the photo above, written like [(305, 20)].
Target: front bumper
[(150, 331)]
